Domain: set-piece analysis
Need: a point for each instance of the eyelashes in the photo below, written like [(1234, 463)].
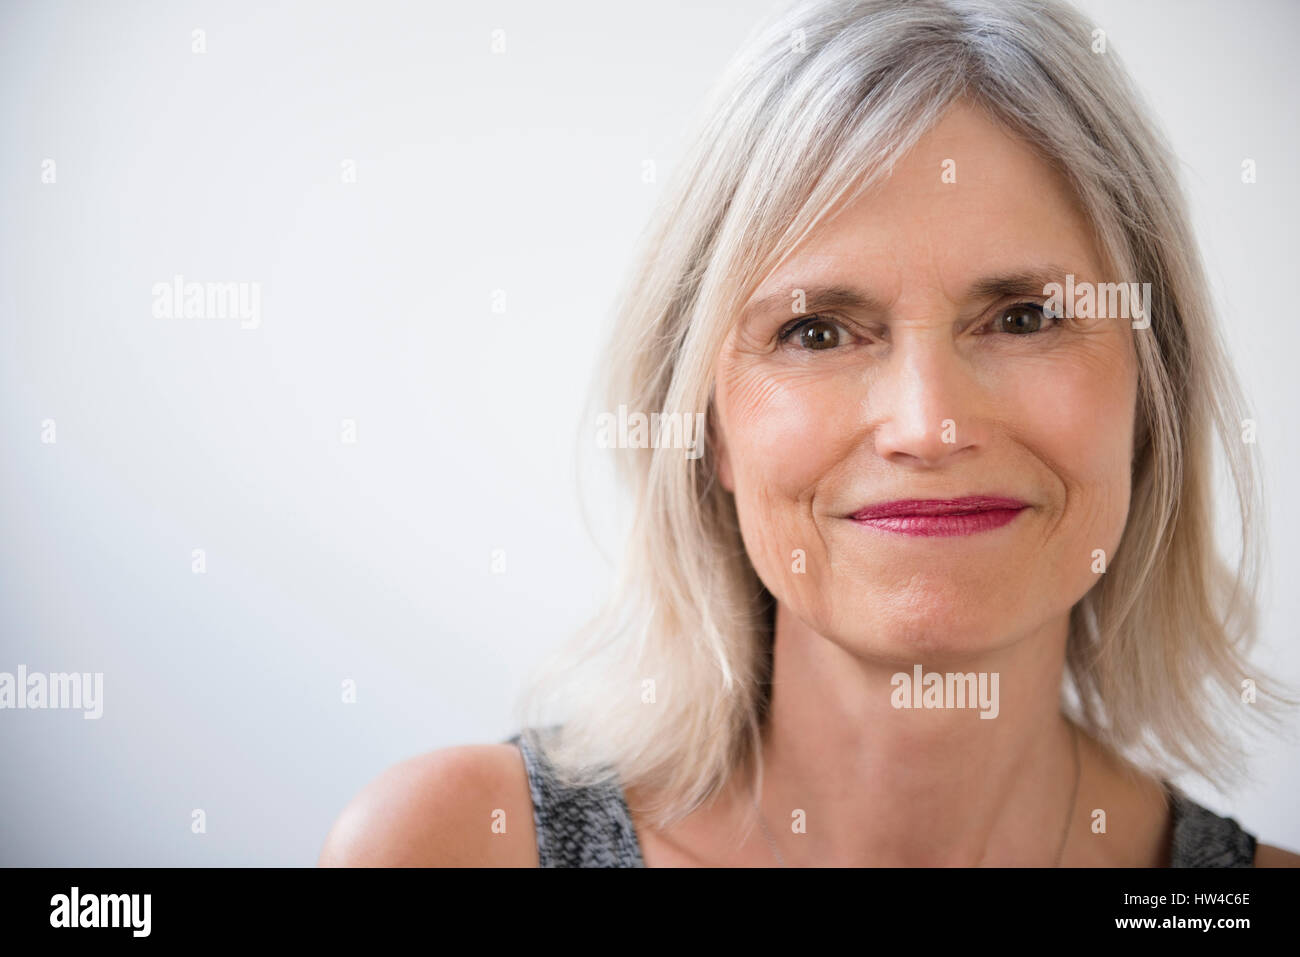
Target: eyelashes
[(821, 332), (1036, 312), (820, 338)]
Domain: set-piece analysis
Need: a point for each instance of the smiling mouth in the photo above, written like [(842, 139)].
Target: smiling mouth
[(941, 517)]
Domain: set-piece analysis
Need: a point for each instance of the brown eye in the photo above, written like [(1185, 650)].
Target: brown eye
[(1021, 319), (820, 334)]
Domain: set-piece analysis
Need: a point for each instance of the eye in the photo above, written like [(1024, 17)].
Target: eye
[(815, 333), (1024, 318)]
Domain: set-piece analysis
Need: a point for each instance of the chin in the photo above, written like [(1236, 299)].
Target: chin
[(936, 626)]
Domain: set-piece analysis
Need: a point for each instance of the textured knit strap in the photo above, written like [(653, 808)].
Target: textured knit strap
[(576, 826), (1204, 839)]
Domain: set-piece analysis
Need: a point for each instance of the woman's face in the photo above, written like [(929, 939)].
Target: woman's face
[(921, 379)]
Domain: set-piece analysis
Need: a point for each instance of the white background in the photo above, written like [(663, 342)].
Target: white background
[(519, 171)]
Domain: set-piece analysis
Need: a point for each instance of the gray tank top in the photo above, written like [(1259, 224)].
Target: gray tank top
[(591, 826)]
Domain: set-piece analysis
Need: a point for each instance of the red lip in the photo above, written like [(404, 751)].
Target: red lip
[(941, 516), (937, 506)]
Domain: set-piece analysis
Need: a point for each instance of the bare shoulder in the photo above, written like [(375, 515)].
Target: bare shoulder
[(1268, 856), (466, 806)]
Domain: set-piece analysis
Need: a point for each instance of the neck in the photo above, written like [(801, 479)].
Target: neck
[(881, 785)]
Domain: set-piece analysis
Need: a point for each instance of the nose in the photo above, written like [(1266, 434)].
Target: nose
[(925, 403)]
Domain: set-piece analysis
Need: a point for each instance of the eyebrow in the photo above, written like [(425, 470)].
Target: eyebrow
[(1026, 282)]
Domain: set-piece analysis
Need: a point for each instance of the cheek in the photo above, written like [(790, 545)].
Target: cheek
[(784, 431), (1078, 418)]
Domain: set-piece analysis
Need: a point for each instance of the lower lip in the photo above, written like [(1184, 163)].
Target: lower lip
[(929, 526)]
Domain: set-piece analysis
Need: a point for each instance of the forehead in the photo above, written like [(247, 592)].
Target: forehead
[(968, 200)]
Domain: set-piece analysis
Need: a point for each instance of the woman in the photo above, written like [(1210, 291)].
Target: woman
[(941, 589)]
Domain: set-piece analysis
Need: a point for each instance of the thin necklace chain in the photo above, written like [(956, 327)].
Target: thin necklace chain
[(780, 861), (1065, 833)]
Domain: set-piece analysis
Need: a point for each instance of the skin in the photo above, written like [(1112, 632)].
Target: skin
[(808, 436)]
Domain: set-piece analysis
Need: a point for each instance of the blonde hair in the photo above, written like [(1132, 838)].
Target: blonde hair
[(814, 110)]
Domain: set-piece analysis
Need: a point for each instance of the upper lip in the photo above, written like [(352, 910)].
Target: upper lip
[(937, 506)]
